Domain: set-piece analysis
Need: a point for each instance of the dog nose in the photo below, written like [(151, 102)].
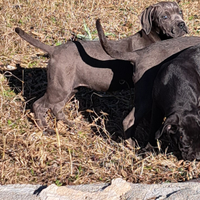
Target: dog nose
[(181, 25)]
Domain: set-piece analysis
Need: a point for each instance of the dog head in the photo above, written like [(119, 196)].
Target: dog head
[(183, 131), (165, 18)]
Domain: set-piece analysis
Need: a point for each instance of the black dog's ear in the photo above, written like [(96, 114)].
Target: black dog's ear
[(170, 126), (162, 130), (146, 19), (167, 129)]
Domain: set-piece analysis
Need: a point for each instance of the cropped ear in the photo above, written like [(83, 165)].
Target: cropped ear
[(146, 19)]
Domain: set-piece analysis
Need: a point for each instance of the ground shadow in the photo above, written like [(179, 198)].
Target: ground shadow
[(32, 83)]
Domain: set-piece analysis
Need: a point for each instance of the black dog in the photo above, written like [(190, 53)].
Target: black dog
[(174, 84), (146, 63), (176, 103)]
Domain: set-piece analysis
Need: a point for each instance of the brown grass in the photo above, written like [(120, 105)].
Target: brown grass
[(87, 152)]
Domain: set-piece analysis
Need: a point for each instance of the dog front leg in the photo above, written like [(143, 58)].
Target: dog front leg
[(156, 123), (40, 110), (59, 114)]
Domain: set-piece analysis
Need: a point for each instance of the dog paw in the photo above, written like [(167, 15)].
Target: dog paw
[(48, 132)]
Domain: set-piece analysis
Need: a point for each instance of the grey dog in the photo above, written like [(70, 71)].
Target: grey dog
[(146, 63), (85, 63)]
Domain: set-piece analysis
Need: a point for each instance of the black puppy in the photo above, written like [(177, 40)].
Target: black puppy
[(146, 63), (176, 103), (176, 91)]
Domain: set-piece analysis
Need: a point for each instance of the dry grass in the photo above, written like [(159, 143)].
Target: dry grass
[(87, 152)]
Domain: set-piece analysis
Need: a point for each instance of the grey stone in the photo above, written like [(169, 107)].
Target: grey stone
[(117, 190), (114, 191), (19, 192), (169, 191)]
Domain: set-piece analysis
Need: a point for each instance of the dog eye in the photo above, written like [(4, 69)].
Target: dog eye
[(180, 12), (164, 17)]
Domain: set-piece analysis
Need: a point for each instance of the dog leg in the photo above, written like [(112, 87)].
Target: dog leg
[(141, 109), (40, 111), (156, 122), (129, 120), (58, 111), (127, 123)]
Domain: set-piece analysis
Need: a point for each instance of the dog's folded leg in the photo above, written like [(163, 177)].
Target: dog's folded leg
[(128, 121)]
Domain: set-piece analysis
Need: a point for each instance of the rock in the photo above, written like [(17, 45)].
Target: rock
[(19, 191), (121, 190), (117, 190), (114, 191), (165, 191)]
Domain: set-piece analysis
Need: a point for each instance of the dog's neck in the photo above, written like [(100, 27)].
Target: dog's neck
[(152, 36), (164, 37), (156, 33)]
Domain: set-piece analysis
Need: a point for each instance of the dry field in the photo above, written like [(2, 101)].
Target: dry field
[(90, 151)]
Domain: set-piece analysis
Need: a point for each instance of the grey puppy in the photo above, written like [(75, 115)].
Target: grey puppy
[(85, 63), (146, 63)]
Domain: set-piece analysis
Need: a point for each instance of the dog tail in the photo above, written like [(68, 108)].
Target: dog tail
[(34, 42), (129, 56)]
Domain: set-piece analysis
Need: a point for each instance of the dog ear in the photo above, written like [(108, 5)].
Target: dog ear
[(170, 126), (146, 19), (168, 129), (162, 130)]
